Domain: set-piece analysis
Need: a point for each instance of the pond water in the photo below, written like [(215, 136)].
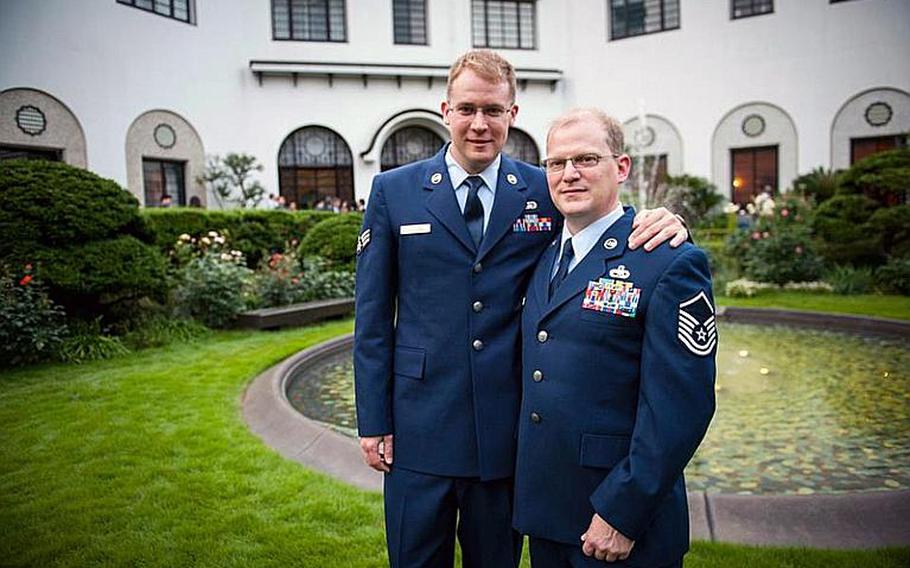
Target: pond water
[(798, 412)]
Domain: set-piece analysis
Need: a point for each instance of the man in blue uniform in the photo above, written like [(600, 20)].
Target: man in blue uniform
[(618, 371), (447, 247)]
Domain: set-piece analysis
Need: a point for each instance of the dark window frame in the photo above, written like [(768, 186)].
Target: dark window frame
[(663, 26), (190, 9), (389, 153), (753, 6), (328, 23), (177, 200), (754, 150), (340, 167), (528, 143), (408, 5), (485, 42), (19, 152), (900, 141)]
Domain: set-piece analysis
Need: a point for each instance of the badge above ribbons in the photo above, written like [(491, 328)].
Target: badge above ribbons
[(697, 329)]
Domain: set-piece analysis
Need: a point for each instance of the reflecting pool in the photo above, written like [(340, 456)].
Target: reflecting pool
[(797, 412)]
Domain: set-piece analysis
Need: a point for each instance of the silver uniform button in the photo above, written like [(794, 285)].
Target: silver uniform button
[(542, 335), (537, 375), (478, 268), (477, 306), (477, 345), (535, 418)]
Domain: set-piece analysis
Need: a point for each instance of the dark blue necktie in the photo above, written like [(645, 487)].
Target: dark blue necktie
[(568, 253), (473, 210)]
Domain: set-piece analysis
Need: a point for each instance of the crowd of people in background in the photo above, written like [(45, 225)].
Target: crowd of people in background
[(334, 204)]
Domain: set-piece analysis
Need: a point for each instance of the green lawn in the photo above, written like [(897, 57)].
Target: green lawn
[(145, 460), (896, 307)]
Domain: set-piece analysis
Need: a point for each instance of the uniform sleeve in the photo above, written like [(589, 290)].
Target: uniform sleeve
[(676, 396), (374, 329)]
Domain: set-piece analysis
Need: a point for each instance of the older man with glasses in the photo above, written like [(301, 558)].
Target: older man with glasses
[(446, 250), (618, 371)]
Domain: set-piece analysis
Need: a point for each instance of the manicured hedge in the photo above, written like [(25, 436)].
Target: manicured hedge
[(83, 232), (334, 239), (256, 233)]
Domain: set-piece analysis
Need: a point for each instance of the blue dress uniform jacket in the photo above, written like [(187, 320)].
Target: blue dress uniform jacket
[(436, 352), (616, 398)]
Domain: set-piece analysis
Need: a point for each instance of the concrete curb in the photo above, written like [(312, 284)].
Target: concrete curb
[(842, 521), (860, 325)]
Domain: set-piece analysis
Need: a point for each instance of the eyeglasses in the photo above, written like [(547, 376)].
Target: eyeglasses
[(470, 111), (581, 162)]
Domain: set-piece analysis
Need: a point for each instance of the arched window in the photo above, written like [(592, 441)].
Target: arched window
[(754, 151), (409, 144), (521, 146), (315, 163)]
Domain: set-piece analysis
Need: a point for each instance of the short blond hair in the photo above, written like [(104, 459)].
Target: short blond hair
[(486, 63), (613, 134)]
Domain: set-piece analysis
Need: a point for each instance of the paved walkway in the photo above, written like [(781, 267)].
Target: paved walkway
[(858, 520)]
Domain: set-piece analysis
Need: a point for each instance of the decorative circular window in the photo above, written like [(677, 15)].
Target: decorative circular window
[(315, 145), (165, 136), (31, 120), (644, 137), (879, 114), (753, 125)]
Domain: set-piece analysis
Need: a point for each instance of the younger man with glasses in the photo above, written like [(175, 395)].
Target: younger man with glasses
[(444, 257), (618, 371)]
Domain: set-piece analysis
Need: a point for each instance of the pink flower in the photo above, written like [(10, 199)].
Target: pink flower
[(798, 249), (25, 280), (756, 235), (784, 212), (28, 267), (295, 281)]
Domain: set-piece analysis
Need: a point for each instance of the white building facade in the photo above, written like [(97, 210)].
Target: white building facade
[(326, 93)]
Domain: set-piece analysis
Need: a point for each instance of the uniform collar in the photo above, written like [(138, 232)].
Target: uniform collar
[(584, 240), (457, 174)]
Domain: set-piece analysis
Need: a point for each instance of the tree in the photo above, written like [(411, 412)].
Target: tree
[(229, 178)]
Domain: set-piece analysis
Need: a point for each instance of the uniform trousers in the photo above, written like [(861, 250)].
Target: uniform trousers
[(550, 554), (424, 512)]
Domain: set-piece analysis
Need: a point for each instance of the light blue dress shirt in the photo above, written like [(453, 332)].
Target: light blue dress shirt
[(486, 193), (584, 240)]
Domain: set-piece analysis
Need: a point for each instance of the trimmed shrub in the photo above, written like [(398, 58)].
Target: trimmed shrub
[(843, 232), (884, 177), (31, 325), (53, 205), (256, 233), (893, 225), (894, 277), (105, 272), (335, 240), (83, 232)]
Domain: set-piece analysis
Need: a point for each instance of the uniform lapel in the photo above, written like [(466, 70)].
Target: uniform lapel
[(508, 204), (594, 264), (540, 283), (442, 203)]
